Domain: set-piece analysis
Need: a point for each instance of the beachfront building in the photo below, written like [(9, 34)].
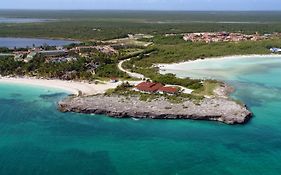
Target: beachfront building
[(168, 90), (149, 87)]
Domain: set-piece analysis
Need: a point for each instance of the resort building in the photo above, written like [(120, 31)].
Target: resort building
[(149, 87), (168, 90), (209, 37)]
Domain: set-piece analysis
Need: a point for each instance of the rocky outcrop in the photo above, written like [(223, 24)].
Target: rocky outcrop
[(223, 90), (215, 109)]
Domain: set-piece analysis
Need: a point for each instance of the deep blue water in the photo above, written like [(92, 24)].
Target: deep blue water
[(37, 139), (29, 42)]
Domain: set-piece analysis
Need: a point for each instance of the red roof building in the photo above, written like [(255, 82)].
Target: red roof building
[(168, 90), (149, 87)]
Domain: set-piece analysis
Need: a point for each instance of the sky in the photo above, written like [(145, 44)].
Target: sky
[(143, 4)]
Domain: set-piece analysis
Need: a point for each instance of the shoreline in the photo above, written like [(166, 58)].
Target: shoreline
[(219, 108), (73, 87), (210, 109), (43, 38), (162, 66)]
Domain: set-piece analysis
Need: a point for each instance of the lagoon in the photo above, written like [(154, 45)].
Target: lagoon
[(41, 140), (22, 20), (11, 42)]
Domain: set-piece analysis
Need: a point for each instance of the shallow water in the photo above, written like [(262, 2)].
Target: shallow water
[(29, 42), (37, 139)]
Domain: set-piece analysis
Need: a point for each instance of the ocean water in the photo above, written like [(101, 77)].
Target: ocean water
[(11, 42), (36, 139)]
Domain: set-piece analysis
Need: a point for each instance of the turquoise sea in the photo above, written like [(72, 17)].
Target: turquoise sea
[(36, 139)]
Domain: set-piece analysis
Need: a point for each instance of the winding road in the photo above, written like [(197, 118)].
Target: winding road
[(140, 76), (131, 74)]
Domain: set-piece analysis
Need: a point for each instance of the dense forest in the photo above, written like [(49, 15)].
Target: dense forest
[(100, 25)]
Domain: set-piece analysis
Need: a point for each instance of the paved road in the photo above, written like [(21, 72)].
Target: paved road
[(131, 74), (140, 76)]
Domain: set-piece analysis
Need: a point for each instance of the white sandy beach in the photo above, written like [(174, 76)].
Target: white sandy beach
[(175, 65), (69, 86)]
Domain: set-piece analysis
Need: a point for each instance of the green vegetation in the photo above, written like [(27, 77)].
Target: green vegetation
[(174, 49), (91, 64), (110, 70), (103, 25), (171, 50), (208, 88), (125, 90), (37, 67), (92, 26), (65, 70), (4, 50), (172, 79)]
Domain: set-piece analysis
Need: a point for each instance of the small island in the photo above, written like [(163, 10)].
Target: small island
[(160, 107), (148, 100)]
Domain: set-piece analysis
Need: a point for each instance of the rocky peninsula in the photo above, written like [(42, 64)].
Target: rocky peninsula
[(213, 109)]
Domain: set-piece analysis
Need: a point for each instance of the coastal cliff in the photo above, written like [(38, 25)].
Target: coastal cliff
[(214, 109)]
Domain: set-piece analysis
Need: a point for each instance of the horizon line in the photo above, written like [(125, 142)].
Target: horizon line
[(171, 10)]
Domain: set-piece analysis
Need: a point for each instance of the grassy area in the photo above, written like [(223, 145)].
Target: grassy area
[(127, 91), (207, 89)]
